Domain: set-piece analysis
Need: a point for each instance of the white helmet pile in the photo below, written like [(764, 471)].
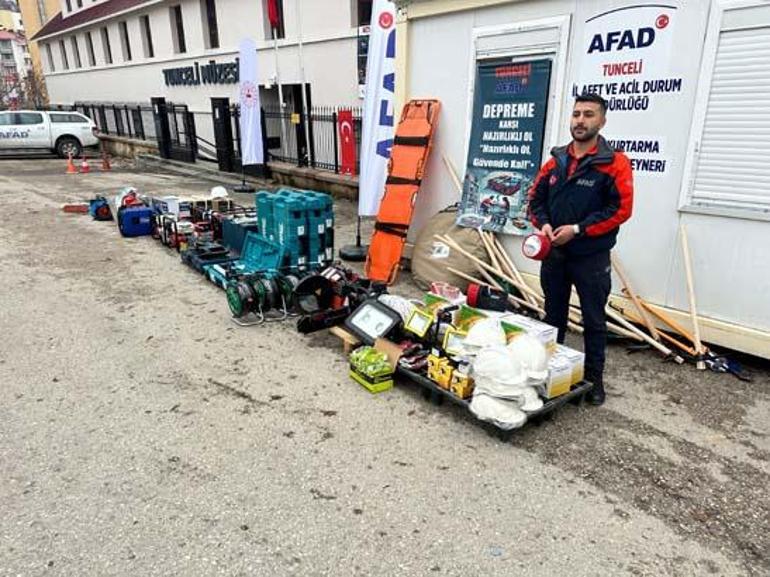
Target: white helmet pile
[(506, 377)]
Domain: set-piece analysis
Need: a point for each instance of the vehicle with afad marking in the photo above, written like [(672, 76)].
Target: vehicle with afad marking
[(62, 132)]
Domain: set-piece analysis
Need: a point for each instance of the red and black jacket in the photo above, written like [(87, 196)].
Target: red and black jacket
[(596, 193)]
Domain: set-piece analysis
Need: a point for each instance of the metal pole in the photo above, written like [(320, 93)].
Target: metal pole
[(280, 95), (336, 143), (302, 81)]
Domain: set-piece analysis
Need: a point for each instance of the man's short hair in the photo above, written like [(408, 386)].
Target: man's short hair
[(591, 97)]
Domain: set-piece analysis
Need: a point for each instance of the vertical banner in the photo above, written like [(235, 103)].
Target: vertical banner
[(625, 57), (347, 142), (506, 144), (377, 129), (252, 151)]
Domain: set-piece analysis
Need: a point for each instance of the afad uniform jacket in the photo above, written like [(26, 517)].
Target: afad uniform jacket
[(597, 195)]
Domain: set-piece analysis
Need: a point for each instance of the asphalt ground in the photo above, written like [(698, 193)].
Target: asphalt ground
[(143, 433)]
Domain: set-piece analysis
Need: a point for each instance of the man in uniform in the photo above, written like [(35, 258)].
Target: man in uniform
[(579, 199)]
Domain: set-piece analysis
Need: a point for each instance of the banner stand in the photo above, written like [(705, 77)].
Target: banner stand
[(355, 252), (252, 145), (243, 186)]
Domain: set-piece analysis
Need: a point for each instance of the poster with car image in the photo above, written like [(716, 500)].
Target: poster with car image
[(506, 143)]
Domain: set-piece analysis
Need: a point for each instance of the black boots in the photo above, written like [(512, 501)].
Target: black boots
[(596, 395)]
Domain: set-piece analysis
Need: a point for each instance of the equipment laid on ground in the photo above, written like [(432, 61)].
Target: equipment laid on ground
[(327, 298), (372, 320), (408, 158), (258, 255), (99, 208), (266, 297), (135, 220), (488, 298), (200, 254), (371, 369), (300, 220)]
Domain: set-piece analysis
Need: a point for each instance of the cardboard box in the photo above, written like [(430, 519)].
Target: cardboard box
[(383, 381), (576, 359), (543, 332), (559, 380)]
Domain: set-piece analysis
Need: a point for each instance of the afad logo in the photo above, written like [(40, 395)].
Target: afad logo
[(630, 39), (385, 20)]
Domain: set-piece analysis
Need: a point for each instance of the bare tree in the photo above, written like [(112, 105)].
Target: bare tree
[(11, 91), (23, 92), (35, 93)]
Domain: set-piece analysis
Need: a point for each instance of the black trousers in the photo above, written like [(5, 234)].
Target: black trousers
[(590, 274)]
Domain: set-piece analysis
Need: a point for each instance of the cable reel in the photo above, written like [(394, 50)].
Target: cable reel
[(267, 298)]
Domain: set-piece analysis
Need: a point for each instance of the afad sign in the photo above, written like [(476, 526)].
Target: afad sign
[(626, 51), (388, 88)]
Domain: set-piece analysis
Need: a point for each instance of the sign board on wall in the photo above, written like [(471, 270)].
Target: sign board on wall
[(506, 143), (625, 57), (207, 73)]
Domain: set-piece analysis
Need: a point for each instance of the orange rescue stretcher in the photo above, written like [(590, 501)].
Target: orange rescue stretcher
[(408, 157)]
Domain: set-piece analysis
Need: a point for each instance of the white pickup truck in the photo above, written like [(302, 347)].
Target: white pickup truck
[(62, 132)]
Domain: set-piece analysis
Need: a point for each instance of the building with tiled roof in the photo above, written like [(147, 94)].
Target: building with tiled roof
[(132, 50)]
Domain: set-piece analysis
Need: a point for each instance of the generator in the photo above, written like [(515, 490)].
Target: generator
[(135, 220)]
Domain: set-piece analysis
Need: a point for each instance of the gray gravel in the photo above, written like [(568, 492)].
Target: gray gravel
[(143, 433)]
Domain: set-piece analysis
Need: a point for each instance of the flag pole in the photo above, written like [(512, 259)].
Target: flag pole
[(280, 90), (305, 111)]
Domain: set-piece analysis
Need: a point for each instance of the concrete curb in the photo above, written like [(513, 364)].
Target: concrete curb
[(198, 170)]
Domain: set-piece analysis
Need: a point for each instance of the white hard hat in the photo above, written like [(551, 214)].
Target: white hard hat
[(531, 354), (497, 364), (504, 414), (218, 192), (531, 401), (485, 333)]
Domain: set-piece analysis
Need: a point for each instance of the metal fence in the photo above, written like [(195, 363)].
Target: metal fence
[(317, 147), (128, 120), (286, 138)]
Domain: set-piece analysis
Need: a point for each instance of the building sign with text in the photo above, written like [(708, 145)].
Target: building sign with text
[(197, 74), (506, 144), (626, 56)]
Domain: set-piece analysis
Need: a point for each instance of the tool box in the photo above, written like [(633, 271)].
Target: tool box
[(234, 231), (258, 255), (201, 254), (302, 221)]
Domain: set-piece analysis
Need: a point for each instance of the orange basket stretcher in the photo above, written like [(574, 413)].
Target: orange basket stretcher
[(411, 146)]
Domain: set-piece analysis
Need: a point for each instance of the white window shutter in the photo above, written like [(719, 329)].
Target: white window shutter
[(731, 169)]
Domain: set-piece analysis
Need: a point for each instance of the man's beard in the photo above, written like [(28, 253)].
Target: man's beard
[(587, 134)]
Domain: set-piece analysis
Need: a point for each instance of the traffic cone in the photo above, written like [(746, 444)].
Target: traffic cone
[(106, 162), (71, 166), (84, 168)]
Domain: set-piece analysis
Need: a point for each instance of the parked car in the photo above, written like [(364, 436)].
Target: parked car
[(61, 132)]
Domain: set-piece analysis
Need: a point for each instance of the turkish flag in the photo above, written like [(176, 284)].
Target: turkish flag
[(273, 14), (347, 134)]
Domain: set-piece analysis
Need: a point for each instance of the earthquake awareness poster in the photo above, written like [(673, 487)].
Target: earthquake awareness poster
[(506, 144), (625, 57)]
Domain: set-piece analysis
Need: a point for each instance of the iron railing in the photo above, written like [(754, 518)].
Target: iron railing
[(284, 131)]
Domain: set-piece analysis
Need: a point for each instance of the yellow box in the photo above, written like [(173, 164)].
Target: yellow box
[(439, 370), (576, 359), (461, 385), (445, 372), (559, 378)]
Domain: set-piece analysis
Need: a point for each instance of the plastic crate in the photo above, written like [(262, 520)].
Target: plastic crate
[(235, 229)]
